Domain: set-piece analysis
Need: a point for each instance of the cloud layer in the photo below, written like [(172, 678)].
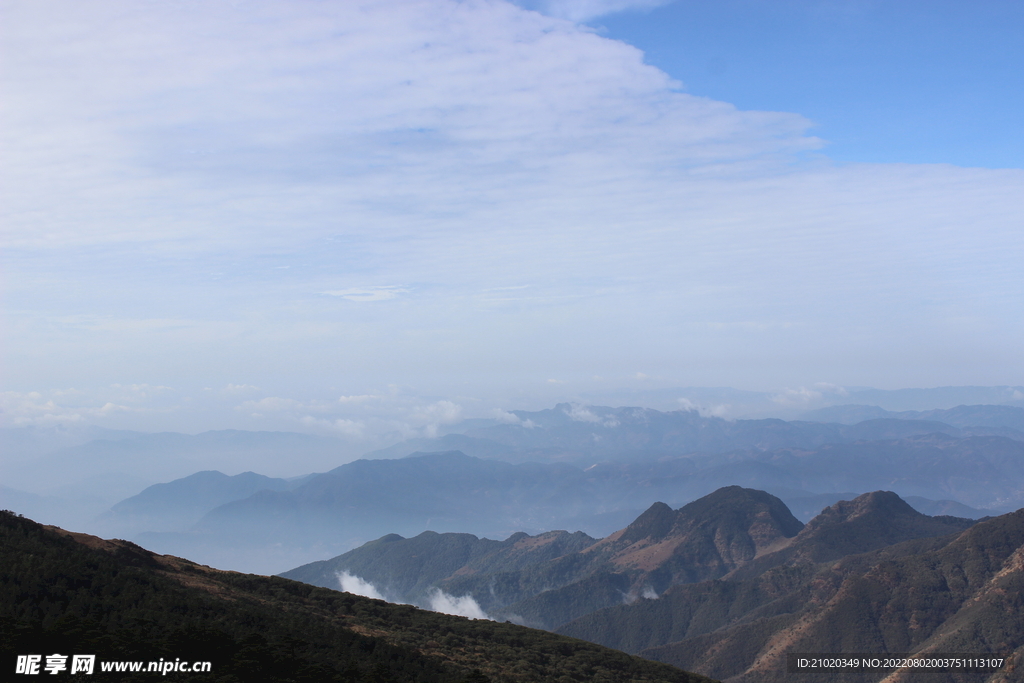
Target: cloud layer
[(469, 197)]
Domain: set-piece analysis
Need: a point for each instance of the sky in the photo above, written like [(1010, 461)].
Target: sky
[(383, 216)]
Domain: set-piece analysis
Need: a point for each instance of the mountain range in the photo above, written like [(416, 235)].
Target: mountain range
[(72, 593), (451, 491), (729, 584), (585, 468)]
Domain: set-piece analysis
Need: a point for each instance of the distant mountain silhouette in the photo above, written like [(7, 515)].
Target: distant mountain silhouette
[(331, 513), (584, 435), (181, 503), (977, 420)]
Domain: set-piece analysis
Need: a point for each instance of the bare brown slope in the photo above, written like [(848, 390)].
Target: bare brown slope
[(703, 540), (966, 595), (774, 583), (868, 522)]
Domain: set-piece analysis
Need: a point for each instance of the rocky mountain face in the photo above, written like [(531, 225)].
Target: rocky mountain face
[(551, 578), (869, 522), (730, 583), (957, 593), (868, 575)]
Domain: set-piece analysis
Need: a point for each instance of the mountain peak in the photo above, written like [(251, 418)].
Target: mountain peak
[(869, 521), (654, 524), (880, 504)]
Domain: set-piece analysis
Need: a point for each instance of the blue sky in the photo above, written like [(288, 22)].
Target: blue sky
[(381, 217), (899, 81)]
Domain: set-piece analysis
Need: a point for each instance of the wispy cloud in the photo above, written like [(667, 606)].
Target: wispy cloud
[(367, 293), (585, 10)]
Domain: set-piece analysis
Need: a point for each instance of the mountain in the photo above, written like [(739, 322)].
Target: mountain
[(119, 464), (868, 522), (352, 504), (869, 575), (725, 401), (331, 513), (569, 582), (407, 569), (981, 420), (82, 480), (72, 593), (179, 504), (979, 471), (962, 594), (583, 435), (551, 578)]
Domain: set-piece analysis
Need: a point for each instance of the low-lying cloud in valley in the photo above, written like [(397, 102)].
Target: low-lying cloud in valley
[(464, 606), (437, 600), (355, 585)]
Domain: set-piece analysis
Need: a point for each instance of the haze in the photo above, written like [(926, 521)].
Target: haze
[(378, 218)]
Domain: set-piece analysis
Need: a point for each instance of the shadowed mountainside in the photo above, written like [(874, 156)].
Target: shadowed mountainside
[(67, 592)]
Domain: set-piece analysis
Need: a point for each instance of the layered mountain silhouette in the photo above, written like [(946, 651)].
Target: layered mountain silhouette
[(587, 434), (181, 503), (584, 468), (451, 491), (996, 420)]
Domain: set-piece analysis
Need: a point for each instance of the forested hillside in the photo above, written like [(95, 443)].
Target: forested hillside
[(72, 593)]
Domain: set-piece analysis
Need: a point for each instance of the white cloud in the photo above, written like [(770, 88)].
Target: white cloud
[(506, 417), (70, 406), (465, 606), (367, 293), (351, 583), (443, 412), (581, 414), (716, 410), (220, 164)]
